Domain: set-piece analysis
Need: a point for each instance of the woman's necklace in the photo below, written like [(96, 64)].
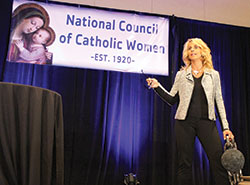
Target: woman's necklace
[(196, 72)]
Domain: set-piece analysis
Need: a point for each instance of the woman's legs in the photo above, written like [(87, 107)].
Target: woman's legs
[(185, 137), (209, 137)]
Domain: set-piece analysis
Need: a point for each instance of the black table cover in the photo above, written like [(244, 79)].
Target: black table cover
[(31, 136)]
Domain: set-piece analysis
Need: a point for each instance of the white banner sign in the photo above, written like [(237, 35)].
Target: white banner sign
[(44, 33)]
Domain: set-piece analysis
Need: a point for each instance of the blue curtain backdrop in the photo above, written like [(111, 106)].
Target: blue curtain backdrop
[(114, 125)]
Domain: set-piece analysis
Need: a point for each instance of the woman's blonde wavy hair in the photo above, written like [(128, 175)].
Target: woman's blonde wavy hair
[(205, 53)]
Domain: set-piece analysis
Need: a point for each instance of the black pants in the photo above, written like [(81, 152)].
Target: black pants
[(206, 131)]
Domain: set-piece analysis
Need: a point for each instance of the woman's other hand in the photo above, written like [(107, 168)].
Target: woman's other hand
[(152, 82), (228, 133)]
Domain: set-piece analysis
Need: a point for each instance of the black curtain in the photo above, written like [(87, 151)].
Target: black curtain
[(114, 125)]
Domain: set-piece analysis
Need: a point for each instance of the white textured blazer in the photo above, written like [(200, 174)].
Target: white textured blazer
[(184, 85)]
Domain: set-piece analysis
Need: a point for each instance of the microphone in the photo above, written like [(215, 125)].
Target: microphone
[(149, 87)]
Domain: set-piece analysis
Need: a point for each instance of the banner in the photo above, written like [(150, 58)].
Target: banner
[(52, 34)]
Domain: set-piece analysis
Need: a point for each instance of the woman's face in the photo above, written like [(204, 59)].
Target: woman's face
[(194, 51), (31, 24)]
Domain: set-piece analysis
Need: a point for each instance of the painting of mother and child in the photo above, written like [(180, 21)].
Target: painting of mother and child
[(30, 35)]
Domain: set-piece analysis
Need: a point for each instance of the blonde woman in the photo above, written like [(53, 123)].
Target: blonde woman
[(198, 88)]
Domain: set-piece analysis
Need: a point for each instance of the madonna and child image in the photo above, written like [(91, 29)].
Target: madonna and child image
[(30, 35)]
